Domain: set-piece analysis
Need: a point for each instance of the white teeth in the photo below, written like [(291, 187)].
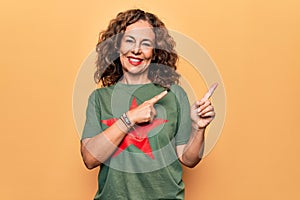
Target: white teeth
[(134, 60)]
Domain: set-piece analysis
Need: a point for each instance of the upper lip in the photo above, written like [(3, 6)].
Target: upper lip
[(134, 58)]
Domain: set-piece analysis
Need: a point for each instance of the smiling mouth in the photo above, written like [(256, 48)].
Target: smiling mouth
[(135, 61)]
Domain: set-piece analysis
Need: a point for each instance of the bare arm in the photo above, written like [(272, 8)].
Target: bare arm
[(202, 113), (190, 154), (98, 149)]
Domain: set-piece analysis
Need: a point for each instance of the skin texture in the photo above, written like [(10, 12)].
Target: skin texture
[(109, 70), (202, 113), (99, 148), (137, 45), (136, 52)]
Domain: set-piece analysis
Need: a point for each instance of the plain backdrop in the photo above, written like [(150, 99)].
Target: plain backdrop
[(255, 45)]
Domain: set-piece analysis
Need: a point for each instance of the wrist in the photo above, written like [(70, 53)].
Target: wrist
[(130, 117), (196, 127), (124, 123), (122, 126)]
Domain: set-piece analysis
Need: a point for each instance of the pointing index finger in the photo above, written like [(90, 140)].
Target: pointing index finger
[(210, 92), (158, 97)]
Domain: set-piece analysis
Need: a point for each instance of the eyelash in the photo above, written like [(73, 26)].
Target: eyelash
[(143, 43), (130, 41), (146, 44)]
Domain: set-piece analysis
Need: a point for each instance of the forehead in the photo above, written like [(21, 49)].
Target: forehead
[(140, 29)]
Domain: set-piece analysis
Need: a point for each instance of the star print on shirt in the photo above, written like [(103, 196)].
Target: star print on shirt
[(137, 136)]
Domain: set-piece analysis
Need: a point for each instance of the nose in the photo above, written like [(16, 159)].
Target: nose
[(136, 49)]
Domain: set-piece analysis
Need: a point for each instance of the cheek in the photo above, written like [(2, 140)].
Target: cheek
[(124, 49), (122, 59), (148, 54)]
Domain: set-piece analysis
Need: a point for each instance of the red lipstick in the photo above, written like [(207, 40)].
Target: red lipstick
[(134, 61)]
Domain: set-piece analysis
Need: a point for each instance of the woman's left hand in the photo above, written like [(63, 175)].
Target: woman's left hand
[(202, 113)]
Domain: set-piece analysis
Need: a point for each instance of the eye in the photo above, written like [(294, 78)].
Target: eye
[(129, 41), (147, 44)]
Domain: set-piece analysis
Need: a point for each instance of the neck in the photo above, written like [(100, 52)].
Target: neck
[(134, 79)]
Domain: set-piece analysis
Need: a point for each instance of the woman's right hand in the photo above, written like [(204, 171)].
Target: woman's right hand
[(146, 111)]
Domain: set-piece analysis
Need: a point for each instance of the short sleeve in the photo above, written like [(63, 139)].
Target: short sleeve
[(184, 126), (92, 123)]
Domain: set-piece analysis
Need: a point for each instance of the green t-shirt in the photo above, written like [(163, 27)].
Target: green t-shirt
[(145, 164)]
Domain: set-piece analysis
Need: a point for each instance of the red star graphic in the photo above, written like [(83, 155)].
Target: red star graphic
[(137, 136)]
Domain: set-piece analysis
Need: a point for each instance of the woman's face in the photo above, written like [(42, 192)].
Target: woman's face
[(136, 49)]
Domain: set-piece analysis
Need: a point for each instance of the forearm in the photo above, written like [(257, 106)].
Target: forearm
[(98, 149), (202, 113), (193, 151)]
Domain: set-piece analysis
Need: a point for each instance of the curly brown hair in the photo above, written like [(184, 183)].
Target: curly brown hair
[(162, 69)]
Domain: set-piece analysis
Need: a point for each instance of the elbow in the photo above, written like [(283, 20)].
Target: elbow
[(90, 165), (190, 163), (89, 160)]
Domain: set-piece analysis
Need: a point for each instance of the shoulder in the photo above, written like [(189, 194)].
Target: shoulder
[(98, 93), (177, 90), (180, 93)]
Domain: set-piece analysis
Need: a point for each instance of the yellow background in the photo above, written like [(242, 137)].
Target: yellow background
[(255, 45)]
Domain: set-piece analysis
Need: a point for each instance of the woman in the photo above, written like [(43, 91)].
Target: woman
[(139, 126)]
